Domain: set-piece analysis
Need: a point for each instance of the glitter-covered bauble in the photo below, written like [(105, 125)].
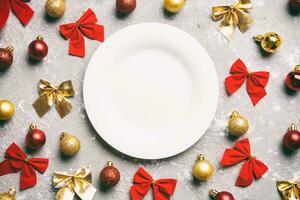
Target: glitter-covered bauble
[(69, 144)]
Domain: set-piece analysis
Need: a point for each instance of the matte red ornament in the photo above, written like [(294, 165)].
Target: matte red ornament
[(38, 49), (292, 80), (6, 57), (291, 139), (126, 6), (109, 176), (224, 195), (35, 138)]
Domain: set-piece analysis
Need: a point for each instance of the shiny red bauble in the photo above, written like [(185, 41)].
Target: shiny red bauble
[(38, 49), (224, 196), (6, 57), (291, 140), (126, 6), (109, 176), (292, 80), (35, 138)]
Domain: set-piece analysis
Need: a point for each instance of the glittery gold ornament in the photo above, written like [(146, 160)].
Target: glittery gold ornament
[(202, 169), (69, 144), (174, 6), (237, 125), (55, 8), (270, 42), (10, 195), (6, 109)]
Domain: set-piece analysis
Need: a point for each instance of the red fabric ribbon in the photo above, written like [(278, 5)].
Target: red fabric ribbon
[(16, 160), (86, 25), (255, 81), (163, 189), (20, 8), (241, 151)]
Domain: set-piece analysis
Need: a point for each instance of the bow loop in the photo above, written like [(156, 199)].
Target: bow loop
[(86, 25), (289, 190), (252, 166), (16, 160), (255, 81), (23, 12), (50, 95), (163, 189), (233, 16), (70, 184)]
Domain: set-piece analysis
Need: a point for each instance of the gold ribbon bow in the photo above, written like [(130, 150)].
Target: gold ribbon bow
[(50, 95), (233, 16), (78, 183), (289, 190)]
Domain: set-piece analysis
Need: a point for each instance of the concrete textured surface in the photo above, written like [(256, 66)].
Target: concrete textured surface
[(268, 120)]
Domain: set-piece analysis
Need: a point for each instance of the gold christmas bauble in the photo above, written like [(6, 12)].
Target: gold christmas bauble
[(270, 42), (55, 8), (173, 6), (237, 125), (10, 195), (69, 144), (6, 109), (202, 169)]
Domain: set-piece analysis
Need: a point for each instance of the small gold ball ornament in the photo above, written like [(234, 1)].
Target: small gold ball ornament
[(270, 42), (10, 195), (69, 144), (174, 6), (55, 8), (6, 109), (238, 125), (202, 169)]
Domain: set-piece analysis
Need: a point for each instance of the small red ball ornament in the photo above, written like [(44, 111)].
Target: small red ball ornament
[(38, 49), (109, 176), (6, 57), (221, 195), (292, 80), (291, 139), (126, 6), (35, 138)]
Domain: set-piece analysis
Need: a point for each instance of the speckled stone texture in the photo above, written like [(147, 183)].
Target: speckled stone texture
[(268, 120)]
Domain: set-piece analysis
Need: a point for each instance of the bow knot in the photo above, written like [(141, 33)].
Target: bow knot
[(289, 190), (241, 151), (255, 81), (85, 25), (50, 95), (78, 183), (23, 12), (236, 15), (16, 160)]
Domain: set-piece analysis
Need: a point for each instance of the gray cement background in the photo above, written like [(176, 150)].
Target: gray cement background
[(268, 120)]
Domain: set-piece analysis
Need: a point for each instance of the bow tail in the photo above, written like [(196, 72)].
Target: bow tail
[(63, 106), (245, 177), (28, 177), (259, 168), (164, 189), (229, 24), (76, 44), (88, 193), (65, 193), (255, 91), (160, 194), (6, 168), (245, 20), (139, 191), (22, 11), (4, 12), (41, 105)]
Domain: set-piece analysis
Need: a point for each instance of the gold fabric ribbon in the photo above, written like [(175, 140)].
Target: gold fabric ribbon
[(289, 190), (50, 95), (233, 16), (78, 183)]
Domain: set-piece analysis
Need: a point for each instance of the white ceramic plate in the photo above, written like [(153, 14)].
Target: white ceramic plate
[(150, 91)]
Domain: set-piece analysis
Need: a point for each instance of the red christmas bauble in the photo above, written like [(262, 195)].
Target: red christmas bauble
[(291, 140), (6, 57), (126, 6), (35, 138), (224, 196), (109, 176), (38, 49), (295, 4), (292, 80)]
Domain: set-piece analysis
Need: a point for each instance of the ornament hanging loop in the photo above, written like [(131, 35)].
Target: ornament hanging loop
[(292, 127), (234, 114), (297, 68), (200, 157), (213, 193)]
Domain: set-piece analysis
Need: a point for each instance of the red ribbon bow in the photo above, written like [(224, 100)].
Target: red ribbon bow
[(86, 25), (256, 81), (20, 8), (16, 160), (241, 151), (163, 189)]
